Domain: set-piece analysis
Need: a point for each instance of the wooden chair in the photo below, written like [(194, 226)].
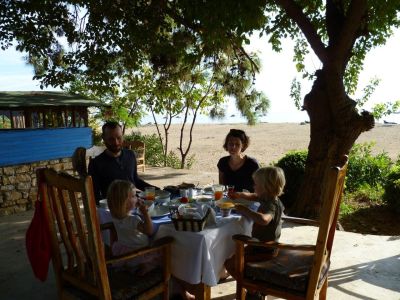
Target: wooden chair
[(78, 160), (297, 271), (81, 268), (139, 148)]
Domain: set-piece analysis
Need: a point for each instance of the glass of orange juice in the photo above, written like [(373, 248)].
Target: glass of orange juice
[(150, 193), (218, 191)]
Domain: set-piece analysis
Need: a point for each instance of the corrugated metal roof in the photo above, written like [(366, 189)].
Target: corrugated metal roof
[(38, 98)]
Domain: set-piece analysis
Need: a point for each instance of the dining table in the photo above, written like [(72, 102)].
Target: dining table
[(197, 258)]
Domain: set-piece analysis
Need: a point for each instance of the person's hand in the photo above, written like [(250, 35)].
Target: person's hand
[(233, 195), (141, 206), (240, 208)]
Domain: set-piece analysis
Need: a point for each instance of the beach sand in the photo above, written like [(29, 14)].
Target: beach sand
[(268, 141)]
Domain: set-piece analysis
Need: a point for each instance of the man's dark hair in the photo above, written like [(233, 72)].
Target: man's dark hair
[(110, 125)]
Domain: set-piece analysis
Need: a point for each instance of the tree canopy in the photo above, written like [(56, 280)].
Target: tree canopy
[(105, 40)]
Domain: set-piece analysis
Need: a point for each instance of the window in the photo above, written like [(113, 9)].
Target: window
[(17, 119), (5, 119), (56, 117), (37, 119)]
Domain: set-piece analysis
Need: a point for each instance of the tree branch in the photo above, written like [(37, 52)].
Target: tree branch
[(294, 11), (350, 29), (334, 19)]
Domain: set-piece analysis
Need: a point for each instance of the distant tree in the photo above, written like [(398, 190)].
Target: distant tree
[(121, 103), (104, 40), (203, 89)]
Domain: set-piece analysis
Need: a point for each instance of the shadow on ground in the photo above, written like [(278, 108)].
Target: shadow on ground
[(367, 272)]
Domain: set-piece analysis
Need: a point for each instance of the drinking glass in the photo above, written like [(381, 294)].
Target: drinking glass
[(150, 193), (218, 191), (184, 195), (230, 190)]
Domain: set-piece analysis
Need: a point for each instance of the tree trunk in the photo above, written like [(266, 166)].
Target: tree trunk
[(335, 125)]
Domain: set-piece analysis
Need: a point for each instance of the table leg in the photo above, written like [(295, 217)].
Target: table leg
[(201, 291)]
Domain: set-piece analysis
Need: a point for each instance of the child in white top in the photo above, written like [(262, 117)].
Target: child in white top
[(133, 231)]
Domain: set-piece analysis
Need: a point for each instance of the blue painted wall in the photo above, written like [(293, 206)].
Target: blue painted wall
[(29, 145)]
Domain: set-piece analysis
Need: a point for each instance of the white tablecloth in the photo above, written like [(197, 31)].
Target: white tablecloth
[(199, 256), (196, 256)]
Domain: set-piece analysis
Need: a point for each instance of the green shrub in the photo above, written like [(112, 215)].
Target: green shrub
[(346, 208), (392, 189), (364, 196), (397, 162), (96, 132), (367, 194), (293, 164), (364, 168)]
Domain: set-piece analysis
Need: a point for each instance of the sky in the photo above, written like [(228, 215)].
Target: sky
[(274, 80)]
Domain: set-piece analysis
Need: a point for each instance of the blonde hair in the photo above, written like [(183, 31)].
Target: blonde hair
[(117, 195), (272, 179)]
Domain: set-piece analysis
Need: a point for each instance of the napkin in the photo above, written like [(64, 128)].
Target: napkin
[(212, 217)]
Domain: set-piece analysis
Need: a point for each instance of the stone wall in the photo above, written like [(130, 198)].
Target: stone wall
[(18, 188)]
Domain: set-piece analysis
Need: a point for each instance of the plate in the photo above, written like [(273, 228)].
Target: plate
[(202, 199), (244, 202), (208, 190), (178, 201), (189, 206), (159, 211), (161, 195)]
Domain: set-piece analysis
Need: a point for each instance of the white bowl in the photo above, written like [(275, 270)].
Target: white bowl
[(103, 203)]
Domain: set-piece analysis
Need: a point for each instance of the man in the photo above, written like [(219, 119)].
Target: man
[(114, 163)]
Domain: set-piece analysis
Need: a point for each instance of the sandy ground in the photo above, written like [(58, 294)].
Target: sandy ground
[(268, 141), (362, 266)]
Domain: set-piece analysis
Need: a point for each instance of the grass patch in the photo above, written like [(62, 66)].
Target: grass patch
[(363, 211)]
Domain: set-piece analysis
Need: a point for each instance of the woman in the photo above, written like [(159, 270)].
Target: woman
[(237, 168)]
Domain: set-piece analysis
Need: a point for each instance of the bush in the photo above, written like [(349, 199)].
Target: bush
[(364, 168), (97, 140), (392, 189), (364, 196), (367, 194), (293, 164)]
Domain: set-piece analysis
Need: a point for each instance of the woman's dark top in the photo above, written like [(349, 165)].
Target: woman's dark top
[(104, 169), (242, 177), (272, 231)]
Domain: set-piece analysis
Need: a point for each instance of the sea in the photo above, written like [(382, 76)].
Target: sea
[(235, 117)]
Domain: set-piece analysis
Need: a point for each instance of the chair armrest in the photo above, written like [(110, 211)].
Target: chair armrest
[(157, 245), (162, 241), (244, 238), (107, 226), (300, 220), (247, 240)]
